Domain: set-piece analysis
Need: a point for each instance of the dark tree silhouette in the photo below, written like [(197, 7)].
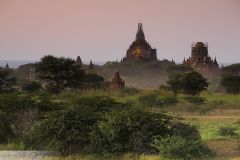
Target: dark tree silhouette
[(56, 74), (190, 83)]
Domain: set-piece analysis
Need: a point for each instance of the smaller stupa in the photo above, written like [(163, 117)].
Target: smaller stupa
[(117, 82), (90, 69)]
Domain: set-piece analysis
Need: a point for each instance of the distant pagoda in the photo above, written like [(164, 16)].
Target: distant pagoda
[(117, 82), (200, 59), (140, 49), (78, 62), (90, 69)]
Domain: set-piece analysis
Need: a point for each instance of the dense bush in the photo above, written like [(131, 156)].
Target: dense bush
[(31, 86), (176, 147), (231, 83), (95, 103), (69, 130), (130, 91), (22, 112), (232, 69), (191, 83), (195, 99), (6, 131), (66, 131), (12, 103), (102, 125), (7, 82), (227, 131), (154, 100), (185, 131), (129, 130)]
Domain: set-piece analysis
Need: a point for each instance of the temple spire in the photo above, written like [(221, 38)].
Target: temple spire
[(140, 34)]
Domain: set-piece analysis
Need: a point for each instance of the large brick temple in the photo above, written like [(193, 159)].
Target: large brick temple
[(200, 59), (140, 49)]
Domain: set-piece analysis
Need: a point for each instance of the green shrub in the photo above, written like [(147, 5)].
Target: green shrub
[(228, 131), (195, 99), (6, 131), (130, 91), (31, 86), (154, 100), (66, 131), (23, 111), (231, 83), (102, 125), (12, 103), (148, 100), (185, 131), (96, 103), (69, 131), (119, 130), (177, 147), (129, 130)]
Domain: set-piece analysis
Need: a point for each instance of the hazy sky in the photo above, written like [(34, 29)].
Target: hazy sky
[(103, 29)]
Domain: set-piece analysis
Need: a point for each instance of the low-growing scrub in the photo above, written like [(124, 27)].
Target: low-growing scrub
[(102, 125), (175, 147), (228, 131), (195, 99), (5, 128), (129, 130), (155, 100)]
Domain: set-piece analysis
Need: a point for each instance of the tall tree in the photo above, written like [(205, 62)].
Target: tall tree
[(58, 73), (190, 83), (193, 83)]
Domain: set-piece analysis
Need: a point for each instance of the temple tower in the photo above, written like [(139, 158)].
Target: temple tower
[(200, 59), (90, 69), (140, 50), (117, 82)]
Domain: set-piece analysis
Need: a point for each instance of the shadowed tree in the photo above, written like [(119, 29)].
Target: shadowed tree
[(56, 74), (193, 83), (190, 83)]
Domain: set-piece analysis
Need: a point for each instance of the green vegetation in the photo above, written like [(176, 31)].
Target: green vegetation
[(178, 147), (231, 83), (189, 83), (7, 82), (83, 119)]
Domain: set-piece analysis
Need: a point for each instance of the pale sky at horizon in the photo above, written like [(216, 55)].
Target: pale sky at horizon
[(102, 30)]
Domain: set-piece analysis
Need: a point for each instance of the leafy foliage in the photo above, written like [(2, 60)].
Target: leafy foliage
[(59, 73), (22, 102), (231, 83), (195, 99), (7, 83), (69, 130), (5, 128), (228, 131), (92, 81), (177, 147), (31, 86), (154, 100), (190, 83), (185, 131), (128, 130), (232, 69), (22, 113)]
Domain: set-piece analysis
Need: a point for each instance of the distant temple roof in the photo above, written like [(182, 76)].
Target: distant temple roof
[(140, 36)]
